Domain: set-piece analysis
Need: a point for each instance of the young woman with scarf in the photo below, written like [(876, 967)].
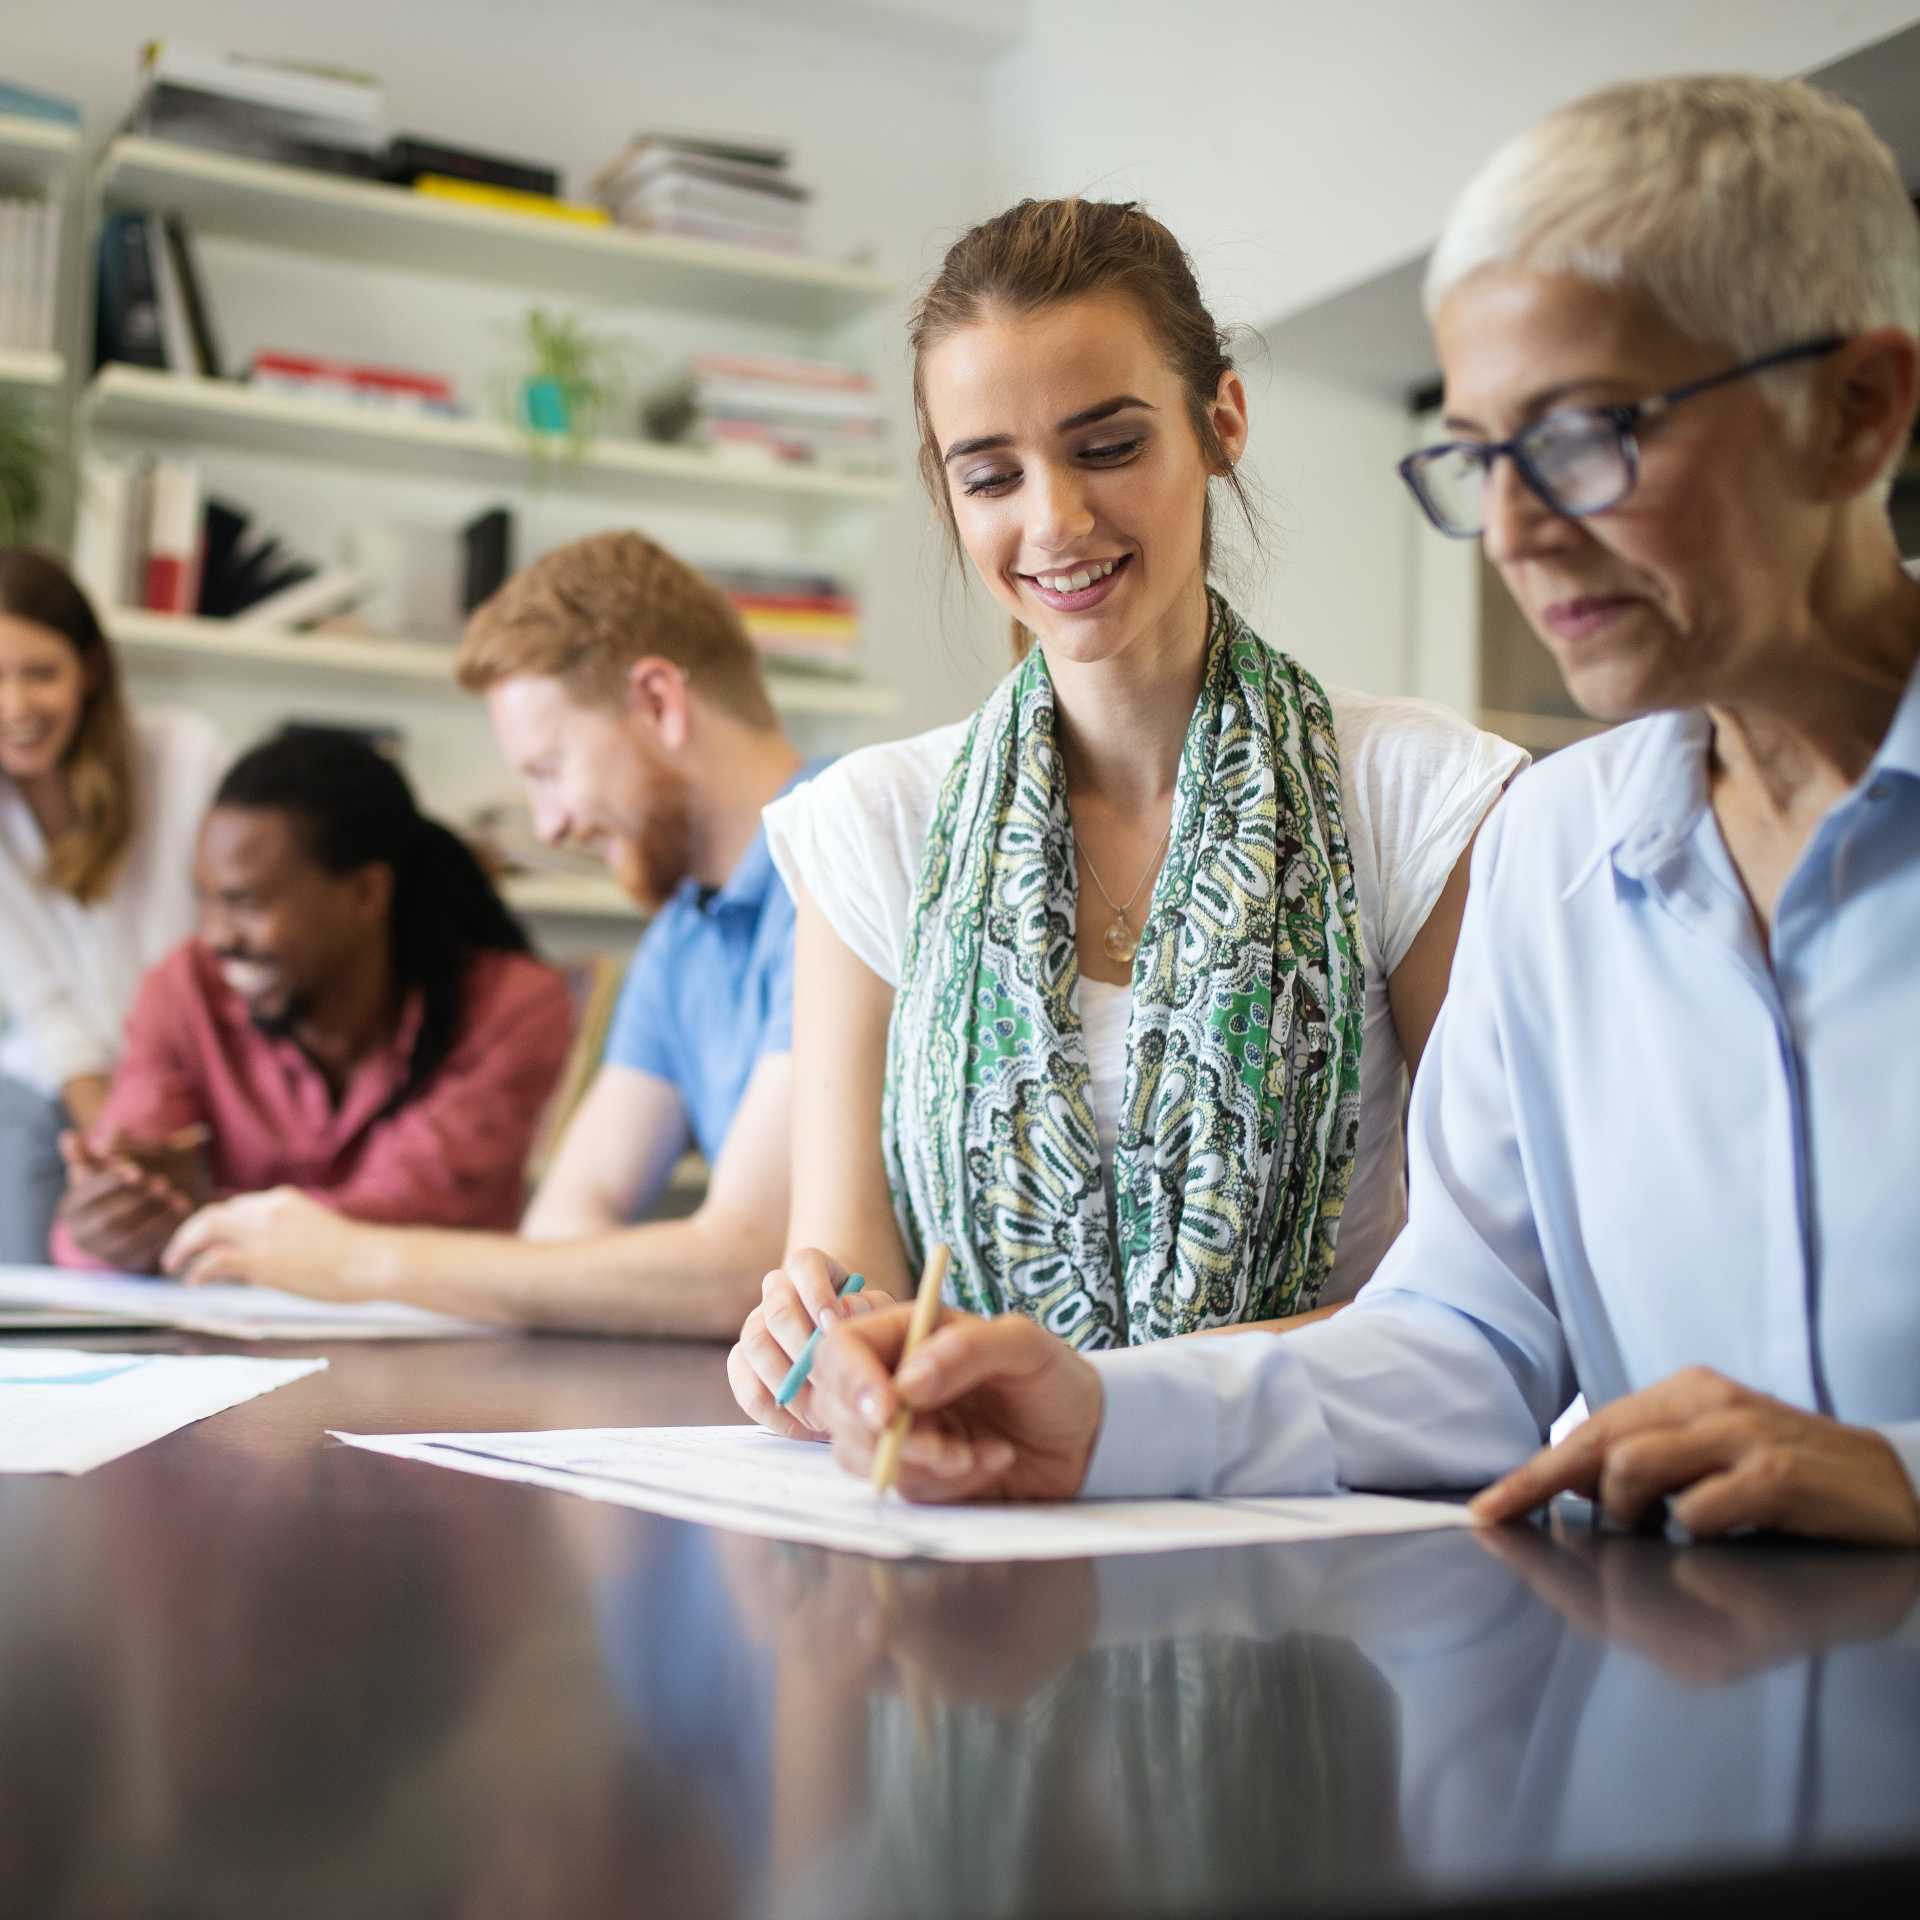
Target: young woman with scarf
[(1115, 988)]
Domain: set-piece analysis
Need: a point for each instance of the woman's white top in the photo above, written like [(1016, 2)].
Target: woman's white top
[(1416, 781), (68, 972)]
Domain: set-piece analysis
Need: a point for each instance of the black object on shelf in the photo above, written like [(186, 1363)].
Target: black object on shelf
[(408, 156), (180, 246), (126, 324), (488, 542), (236, 574)]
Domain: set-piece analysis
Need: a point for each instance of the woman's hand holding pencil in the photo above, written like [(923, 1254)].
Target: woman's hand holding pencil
[(1000, 1409)]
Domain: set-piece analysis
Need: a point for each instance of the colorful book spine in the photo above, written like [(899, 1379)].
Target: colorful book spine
[(173, 538), (475, 193)]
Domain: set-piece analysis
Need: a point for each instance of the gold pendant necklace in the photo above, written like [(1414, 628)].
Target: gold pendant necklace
[(1120, 942)]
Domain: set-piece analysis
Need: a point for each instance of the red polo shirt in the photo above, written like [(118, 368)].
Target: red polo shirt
[(452, 1156)]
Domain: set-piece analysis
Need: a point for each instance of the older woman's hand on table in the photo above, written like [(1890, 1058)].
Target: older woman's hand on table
[(1004, 1410), (1723, 1458)]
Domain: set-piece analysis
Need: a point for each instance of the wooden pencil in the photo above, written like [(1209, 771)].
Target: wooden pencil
[(926, 1308)]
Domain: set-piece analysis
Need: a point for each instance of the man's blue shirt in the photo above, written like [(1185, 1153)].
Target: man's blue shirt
[(710, 991)]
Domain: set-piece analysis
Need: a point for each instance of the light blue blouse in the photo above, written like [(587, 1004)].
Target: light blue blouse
[(1642, 1139)]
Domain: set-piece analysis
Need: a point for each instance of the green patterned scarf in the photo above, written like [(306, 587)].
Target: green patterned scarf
[(1241, 1097)]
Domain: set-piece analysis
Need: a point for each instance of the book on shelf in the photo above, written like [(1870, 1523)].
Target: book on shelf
[(29, 274), (174, 518), (152, 307), (179, 245), (103, 540), (127, 320), (353, 383), (31, 103), (771, 408), (297, 114), (304, 89), (706, 187), (663, 146), (478, 193), (325, 594), (409, 155), (792, 616), (487, 553), (241, 566)]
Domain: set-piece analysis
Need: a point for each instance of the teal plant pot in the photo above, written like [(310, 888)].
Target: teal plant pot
[(545, 407)]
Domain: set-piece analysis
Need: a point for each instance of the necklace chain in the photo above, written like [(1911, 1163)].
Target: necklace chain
[(1120, 939)]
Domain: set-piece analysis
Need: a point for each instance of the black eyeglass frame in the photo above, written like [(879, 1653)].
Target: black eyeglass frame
[(1625, 418)]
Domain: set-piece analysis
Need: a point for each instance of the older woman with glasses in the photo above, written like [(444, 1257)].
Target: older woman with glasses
[(1664, 1143)]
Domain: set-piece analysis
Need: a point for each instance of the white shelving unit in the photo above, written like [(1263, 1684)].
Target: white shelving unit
[(180, 637), (20, 368), (265, 223), (35, 153), (319, 214), (569, 897), (139, 402)]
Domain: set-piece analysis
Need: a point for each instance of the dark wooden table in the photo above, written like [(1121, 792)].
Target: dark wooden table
[(246, 1671)]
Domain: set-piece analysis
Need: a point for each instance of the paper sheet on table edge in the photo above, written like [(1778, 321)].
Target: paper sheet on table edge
[(225, 1316), (1261, 1528), (286, 1373)]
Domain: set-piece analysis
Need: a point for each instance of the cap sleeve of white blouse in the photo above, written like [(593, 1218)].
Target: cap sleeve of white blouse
[(852, 840), (1417, 780)]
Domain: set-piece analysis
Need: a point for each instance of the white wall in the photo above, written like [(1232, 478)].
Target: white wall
[(1298, 146)]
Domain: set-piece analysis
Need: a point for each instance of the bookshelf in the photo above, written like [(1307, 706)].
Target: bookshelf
[(180, 637), (567, 896), (285, 240), (19, 368), (263, 204), (140, 403), (35, 154)]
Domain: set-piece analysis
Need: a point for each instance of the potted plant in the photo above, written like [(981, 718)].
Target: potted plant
[(575, 383), (23, 468)]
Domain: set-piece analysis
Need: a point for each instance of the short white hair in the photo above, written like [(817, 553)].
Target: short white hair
[(1754, 214)]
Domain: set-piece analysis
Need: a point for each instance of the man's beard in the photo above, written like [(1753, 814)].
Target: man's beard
[(651, 864)]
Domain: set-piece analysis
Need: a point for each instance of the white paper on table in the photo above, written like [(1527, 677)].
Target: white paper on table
[(63, 1410), (233, 1313), (752, 1481)]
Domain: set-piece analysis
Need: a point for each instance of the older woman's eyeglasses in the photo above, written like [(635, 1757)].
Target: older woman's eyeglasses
[(1578, 460)]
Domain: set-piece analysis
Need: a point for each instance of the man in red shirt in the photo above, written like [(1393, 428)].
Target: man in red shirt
[(357, 1017)]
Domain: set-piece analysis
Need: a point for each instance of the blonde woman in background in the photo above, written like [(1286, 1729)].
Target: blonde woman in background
[(98, 815)]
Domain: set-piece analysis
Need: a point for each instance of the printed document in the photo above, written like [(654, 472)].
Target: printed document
[(752, 1481), (67, 1411), (232, 1313)]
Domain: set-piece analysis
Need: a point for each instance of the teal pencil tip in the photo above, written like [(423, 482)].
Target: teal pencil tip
[(803, 1360)]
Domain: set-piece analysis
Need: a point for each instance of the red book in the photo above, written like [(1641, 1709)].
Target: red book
[(173, 539)]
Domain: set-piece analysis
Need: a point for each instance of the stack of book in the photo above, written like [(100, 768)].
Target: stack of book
[(796, 618), (140, 535), (762, 407), (151, 307), (29, 273), (304, 116), (353, 383), (707, 188)]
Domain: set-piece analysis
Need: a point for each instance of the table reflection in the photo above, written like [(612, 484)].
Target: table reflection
[(1362, 1718)]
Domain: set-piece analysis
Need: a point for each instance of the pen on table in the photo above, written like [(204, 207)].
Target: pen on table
[(926, 1304), (803, 1360)]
